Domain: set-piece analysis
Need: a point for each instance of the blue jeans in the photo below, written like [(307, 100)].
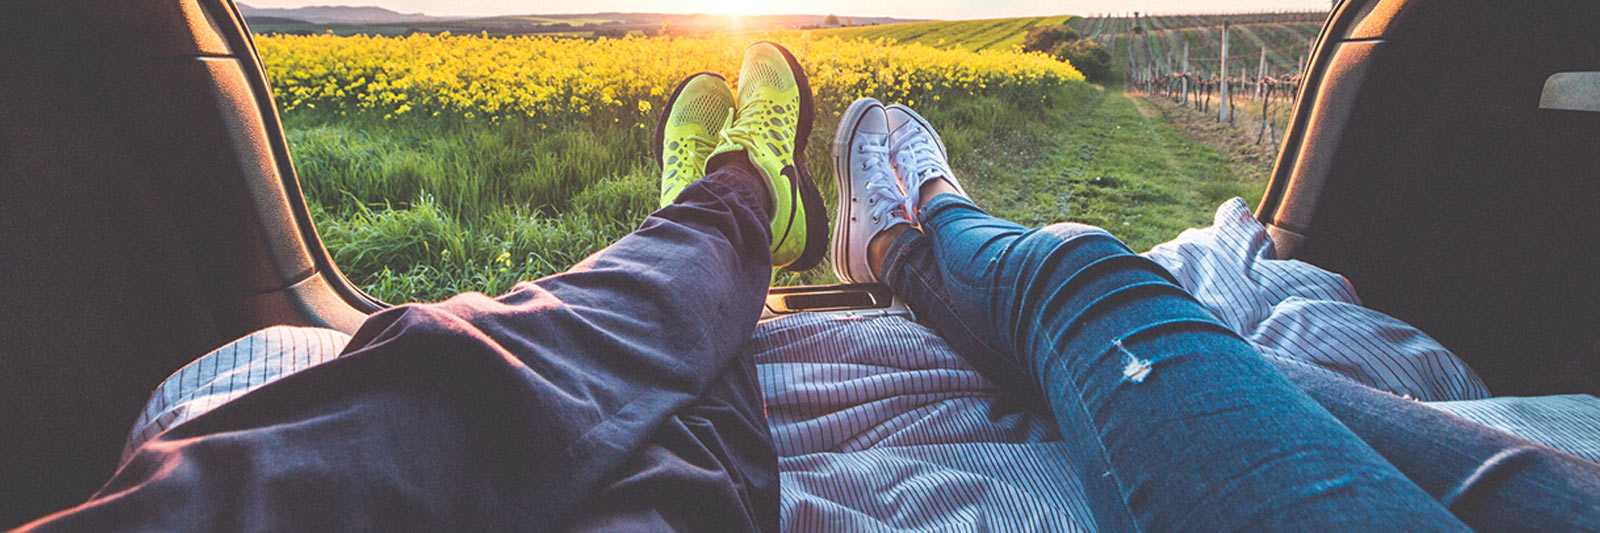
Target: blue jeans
[(1489, 479), (1176, 422)]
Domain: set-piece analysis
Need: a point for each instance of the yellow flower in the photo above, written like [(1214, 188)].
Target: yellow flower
[(578, 80)]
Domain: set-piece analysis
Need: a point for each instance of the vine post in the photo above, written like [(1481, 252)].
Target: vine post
[(1224, 111), (1185, 69)]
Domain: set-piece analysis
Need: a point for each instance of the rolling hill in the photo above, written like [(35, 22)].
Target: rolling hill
[(334, 15)]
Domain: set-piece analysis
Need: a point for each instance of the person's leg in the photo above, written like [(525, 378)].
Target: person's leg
[(1176, 421), (475, 413), (1489, 479), (709, 467), (873, 212), (913, 273)]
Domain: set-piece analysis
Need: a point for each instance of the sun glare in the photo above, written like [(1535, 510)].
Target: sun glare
[(732, 7)]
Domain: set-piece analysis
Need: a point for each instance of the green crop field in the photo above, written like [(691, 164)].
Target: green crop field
[(992, 34)]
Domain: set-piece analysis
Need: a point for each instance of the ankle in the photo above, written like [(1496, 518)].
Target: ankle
[(934, 187), (878, 247), (735, 169)]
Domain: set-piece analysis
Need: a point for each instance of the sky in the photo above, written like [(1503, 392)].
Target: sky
[(940, 9)]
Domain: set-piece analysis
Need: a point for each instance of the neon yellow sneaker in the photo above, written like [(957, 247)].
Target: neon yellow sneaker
[(771, 126), (687, 131)]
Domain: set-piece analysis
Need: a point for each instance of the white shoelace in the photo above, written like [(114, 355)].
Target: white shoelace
[(883, 193), (918, 160)]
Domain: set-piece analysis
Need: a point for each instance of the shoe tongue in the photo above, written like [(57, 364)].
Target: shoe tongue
[(905, 128), (873, 126)]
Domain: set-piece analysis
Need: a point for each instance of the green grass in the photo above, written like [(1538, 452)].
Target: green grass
[(1106, 164), (1110, 166), (422, 210), (996, 34)]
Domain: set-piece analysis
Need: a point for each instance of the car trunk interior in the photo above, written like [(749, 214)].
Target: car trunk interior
[(152, 214)]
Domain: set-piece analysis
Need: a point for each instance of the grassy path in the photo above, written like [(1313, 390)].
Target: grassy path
[(1119, 165), (1115, 161)]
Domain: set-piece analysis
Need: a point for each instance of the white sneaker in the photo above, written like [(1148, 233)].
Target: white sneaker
[(870, 199), (917, 153)]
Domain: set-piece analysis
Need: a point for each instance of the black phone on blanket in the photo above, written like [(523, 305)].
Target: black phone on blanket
[(825, 298)]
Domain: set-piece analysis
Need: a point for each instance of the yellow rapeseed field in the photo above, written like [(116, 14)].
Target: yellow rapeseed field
[(554, 80)]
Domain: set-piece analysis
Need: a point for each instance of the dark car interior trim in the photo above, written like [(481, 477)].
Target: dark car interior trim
[(151, 214), (1421, 165)]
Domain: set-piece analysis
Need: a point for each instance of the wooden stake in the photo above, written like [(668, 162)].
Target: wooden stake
[(1224, 113), (1185, 68), (1261, 75), (1263, 92)]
